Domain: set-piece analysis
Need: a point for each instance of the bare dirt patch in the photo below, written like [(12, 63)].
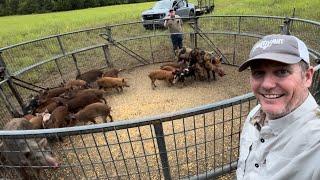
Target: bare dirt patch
[(140, 100)]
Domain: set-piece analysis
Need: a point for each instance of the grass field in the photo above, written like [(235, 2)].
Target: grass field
[(16, 29)]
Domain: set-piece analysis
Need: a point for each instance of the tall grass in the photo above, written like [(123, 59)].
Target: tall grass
[(15, 29)]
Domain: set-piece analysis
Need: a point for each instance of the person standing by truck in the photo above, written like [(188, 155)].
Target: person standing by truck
[(174, 23)]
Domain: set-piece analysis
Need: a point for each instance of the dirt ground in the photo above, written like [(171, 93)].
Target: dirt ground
[(81, 156), (139, 100)]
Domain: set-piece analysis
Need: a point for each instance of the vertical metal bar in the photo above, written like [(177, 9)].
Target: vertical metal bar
[(162, 149), (113, 161), (185, 143), (109, 34), (195, 143), (61, 45), (240, 125), (59, 69), (86, 148), (74, 58), (144, 153), (152, 55), (11, 86), (9, 106), (134, 155), (192, 43), (239, 25), (155, 152), (214, 139), (99, 153), (196, 25), (66, 157), (231, 134), (74, 150), (205, 144), (234, 49), (107, 55), (223, 137), (175, 147), (124, 160)]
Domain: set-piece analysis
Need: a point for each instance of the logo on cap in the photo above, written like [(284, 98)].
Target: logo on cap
[(267, 43)]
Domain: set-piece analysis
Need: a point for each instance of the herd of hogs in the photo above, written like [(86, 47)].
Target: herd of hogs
[(82, 100)]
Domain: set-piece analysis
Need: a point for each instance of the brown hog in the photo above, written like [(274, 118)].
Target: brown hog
[(168, 68), (58, 118), (110, 82), (47, 94), (37, 122), (76, 84), (92, 111), (80, 101), (167, 76)]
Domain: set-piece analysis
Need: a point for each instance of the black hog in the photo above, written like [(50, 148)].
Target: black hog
[(90, 76), (111, 73), (26, 152)]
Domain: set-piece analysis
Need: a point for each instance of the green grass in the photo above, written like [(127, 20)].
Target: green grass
[(16, 29)]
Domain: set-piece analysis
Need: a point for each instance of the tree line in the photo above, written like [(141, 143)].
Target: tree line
[(13, 7)]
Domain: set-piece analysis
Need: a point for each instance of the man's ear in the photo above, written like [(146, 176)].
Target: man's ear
[(308, 75)]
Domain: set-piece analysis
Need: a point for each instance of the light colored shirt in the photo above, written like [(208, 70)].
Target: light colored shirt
[(174, 25), (287, 148)]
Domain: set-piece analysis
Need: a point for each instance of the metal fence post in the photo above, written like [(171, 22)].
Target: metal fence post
[(196, 25), (162, 150), (64, 53), (74, 58), (61, 45), (12, 87), (109, 34), (107, 55), (239, 24)]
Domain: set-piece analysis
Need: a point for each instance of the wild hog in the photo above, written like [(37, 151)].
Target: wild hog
[(218, 69), (111, 73), (26, 152), (195, 56), (214, 69), (80, 101), (58, 119), (167, 76), (76, 84), (47, 94), (183, 54), (92, 111), (182, 74), (49, 105), (37, 121), (99, 93), (168, 68), (90, 76), (110, 82), (172, 64)]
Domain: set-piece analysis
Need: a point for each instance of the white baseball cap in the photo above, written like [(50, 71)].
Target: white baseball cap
[(282, 48)]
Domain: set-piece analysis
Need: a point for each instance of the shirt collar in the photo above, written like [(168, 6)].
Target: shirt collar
[(277, 125)]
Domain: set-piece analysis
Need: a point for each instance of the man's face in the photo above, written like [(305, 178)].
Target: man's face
[(172, 14), (280, 88)]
